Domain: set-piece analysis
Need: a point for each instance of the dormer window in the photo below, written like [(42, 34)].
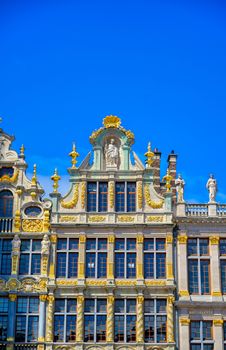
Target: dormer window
[(8, 171), (6, 204)]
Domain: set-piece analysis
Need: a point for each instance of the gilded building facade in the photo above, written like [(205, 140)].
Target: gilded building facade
[(121, 262)]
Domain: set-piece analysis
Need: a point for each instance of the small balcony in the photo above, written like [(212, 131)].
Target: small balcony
[(6, 225)]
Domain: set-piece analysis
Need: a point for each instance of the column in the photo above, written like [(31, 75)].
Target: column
[(140, 319), (11, 317), (169, 256), (139, 196), (53, 240), (80, 319), (49, 320), (218, 334), (110, 259), (81, 256), (110, 318), (182, 265), (42, 317), (184, 333), (140, 268), (215, 266), (170, 319)]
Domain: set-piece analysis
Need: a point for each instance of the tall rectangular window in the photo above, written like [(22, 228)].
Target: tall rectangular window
[(224, 335), (5, 256), (65, 320), (154, 258), (67, 257), (125, 258), (27, 318), (3, 318), (155, 319), (223, 264), (97, 197), (201, 335), (30, 257), (125, 320), (95, 316), (96, 258), (198, 266), (125, 196)]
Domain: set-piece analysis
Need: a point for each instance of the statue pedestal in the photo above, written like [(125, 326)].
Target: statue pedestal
[(111, 167), (212, 209), (181, 209)]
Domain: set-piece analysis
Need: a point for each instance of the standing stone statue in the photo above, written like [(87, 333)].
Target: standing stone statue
[(45, 245), (16, 242), (179, 182), (211, 185), (111, 154)]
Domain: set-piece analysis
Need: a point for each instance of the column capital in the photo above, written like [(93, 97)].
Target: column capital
[(185, 321), (43, 297), (218, 322), (12, 297), (140, 238), (82, 238), (214, 240), (182, 239), (111, 238), (53, 238), (183, 293), (169, 239)]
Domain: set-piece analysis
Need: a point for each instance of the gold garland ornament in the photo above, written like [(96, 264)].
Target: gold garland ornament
[(149, 201), (12, 179), (72, 204)]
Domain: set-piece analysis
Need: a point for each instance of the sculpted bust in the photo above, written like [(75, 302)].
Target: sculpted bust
[(111, 154)]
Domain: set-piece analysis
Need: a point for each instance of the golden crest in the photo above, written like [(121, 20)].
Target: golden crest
[(111, 121)]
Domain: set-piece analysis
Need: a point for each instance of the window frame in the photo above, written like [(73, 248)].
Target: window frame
[(97, 205), (27, 316), (155, 253), (155, 314), (67, 251), (95, 315), (222, 258), (125, 314), (3, 253), (201, 341), (125, 253), (97, 252), (65, 315), (126, 190), (30, 253), (4, 317)]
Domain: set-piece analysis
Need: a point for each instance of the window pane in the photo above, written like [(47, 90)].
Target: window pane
[(6, 204), (192, 246), (161, 329), (59, 305), (195, 347), (148, 265), (61, 265), (148, 244), (161, 265), (131, 306), (101, 328), (73, 265), (102, 244), (222, 246), (91, 244), (130, 329), (58, 328), (160, 244), (73, 243), (103, 196), (193, 276), (24, 264), (3, 304), (207, 330), (119, 265), (148, 306), (131, 243), (89, 328), (208, 347), (71, 329), (3, 327), (119, 306), (131, 265), (149, 329), (119, 244), (161, 306), (36, 264), (7, 245), (120, 196), (36, 245), (71, 305), (89, 305), (223, 276), (204, 246), (32, 328), (205, 288), (62, 244), (20, 329), (195, 330), (22, 303), (6, 264), (119, 328), (33, 305), (131, 196), (25, 245), (102, 265), (90, 265), (101, 305), (91, 196)]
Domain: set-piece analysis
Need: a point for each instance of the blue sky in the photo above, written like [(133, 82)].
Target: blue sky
[(158, 65)]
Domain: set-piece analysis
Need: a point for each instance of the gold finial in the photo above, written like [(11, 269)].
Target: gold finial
[(111, 121), (22, 149), (168, 178), (149, 154), (55, 177), (73, 154), (34, 177)]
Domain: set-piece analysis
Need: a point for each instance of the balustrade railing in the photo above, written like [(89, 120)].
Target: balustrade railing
[(197, 209), (221, 209), (6, 225), (25, 346)]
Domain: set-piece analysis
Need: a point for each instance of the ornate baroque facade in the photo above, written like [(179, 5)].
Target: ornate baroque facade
[(120, 262)]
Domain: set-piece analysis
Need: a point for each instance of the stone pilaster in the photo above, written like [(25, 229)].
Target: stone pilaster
[(139, 196), (110, 259), (42, 317), (111, 196), (110, 318), (215, 268), (49, 320), (169, 256), (53, 240), (11, 317), (182, 265), (170, 319), (140, 319), (81, 256), (218, 334), (80, 318), (140, 268), (184, 333)]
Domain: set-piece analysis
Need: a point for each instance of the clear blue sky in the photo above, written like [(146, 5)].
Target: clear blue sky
[(158, 65)]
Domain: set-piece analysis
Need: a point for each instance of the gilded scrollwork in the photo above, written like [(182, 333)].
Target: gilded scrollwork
[(140, 194), (96, 283), (10, 179), (72, 203), (83, 195), (126, 218), (149, 201), (68, 218), (155, 219), (66, 283), (125, 283), (155, 283), (96, 218), (32, 225)]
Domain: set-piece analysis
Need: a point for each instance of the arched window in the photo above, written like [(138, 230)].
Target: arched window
[(6, 204)]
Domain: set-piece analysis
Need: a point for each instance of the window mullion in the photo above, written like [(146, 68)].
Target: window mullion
[(125, 320), (125, 258), (67, 258), (96, 258), (97, 197), (65, 319), (125, 194)]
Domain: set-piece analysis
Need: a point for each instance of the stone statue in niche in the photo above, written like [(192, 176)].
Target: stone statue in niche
[(179, 182), (45, 245), (16, 244), (111, 152), (212, 188)]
